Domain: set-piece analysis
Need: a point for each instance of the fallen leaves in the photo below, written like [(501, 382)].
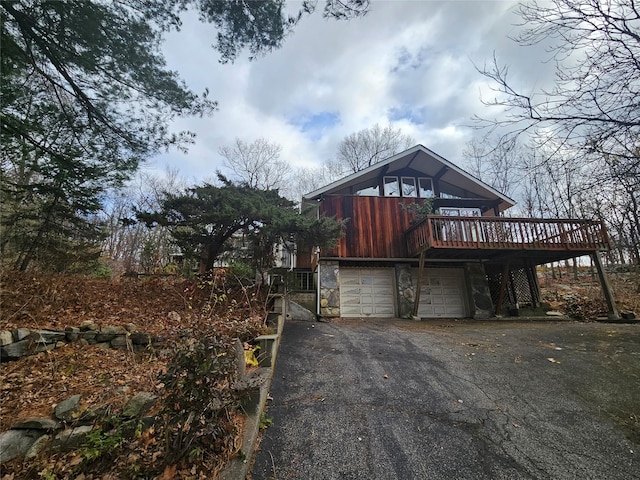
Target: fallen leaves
[(169, 473), (32, 385)]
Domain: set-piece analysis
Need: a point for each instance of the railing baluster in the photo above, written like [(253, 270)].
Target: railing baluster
[(438, 231)]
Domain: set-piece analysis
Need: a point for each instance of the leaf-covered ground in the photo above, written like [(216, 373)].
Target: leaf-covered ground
[(167, 307), (173, 309), (581, 297)]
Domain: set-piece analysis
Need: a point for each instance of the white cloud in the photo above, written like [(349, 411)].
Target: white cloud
[(408, 63)]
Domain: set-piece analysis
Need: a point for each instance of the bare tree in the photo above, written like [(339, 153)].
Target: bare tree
[(595, 104), (129, 245), (304, 180), (618, 203), (498, 165), (256, 163), (590, 117), (368, 147)]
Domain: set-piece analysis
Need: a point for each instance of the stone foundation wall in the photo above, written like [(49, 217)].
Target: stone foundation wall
[(406, 290), (478, 293), (480, 303), (329, 289)]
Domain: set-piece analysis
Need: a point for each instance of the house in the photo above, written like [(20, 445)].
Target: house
[(465, 260)]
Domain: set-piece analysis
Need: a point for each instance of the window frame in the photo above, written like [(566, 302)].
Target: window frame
[(414, 184), (419, 189), (397, 183)]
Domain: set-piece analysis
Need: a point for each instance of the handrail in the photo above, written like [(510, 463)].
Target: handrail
[(437, 231)]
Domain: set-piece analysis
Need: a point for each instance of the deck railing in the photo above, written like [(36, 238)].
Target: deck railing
[(506, 233)]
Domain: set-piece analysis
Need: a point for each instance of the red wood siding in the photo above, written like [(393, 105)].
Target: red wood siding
[(375, 228), (304, 257)]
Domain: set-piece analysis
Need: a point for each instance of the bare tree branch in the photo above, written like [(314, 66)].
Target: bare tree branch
[(257, 163)]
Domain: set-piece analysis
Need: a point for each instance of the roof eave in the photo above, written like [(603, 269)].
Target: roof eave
[(506, 202)]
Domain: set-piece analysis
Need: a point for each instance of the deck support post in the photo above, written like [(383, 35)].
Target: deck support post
[(613, 313), (416, 303), (503, 287)]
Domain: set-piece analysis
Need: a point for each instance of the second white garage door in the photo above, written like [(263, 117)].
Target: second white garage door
[(442, 294), (367, 292)]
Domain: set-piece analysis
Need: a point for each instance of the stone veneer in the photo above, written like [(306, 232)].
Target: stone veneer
[(406, 290), (329, 289), (481, 305)]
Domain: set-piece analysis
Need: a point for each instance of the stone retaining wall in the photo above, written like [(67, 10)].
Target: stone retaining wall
[(67, 429), (21, 341), (68, 426)]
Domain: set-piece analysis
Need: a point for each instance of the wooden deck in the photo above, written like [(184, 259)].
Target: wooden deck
[(507, 234)]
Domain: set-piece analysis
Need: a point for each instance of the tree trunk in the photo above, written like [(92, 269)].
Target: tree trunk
[(26, 260)]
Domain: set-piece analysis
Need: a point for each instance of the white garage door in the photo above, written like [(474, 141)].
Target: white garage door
[(442, 293), (367, 292)]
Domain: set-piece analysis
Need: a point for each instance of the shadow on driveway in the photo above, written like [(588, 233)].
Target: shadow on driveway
[(395, 399)]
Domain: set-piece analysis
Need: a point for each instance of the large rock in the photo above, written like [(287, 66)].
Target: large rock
[(6, 337), (47, 424), (109, 332), (88, 336), (89, 326), (120, 341), (68, 409), (46, 336), (71, 438), (140, 404), (38, 446), (72, 334), (140, 338), (15, 350), (21, 334), (91, 416), (16, 443)]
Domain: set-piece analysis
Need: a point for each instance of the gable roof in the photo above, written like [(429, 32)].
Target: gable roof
[(425, 161)]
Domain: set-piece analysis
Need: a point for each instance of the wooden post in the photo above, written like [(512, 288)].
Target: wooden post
[(416, 303), (503, 287), (606, 287)]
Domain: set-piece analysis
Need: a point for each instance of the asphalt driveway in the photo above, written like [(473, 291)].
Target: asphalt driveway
[(399, 399)]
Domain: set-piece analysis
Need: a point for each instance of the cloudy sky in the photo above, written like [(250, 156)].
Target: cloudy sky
[(407, 63)]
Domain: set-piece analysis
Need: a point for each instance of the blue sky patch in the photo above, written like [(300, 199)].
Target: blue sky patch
[(315, 124), (416, 116)]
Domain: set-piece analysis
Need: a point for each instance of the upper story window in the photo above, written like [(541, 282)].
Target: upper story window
[(425, 187), (391, 187), (409, 187), (368, 191), (449, 195)]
